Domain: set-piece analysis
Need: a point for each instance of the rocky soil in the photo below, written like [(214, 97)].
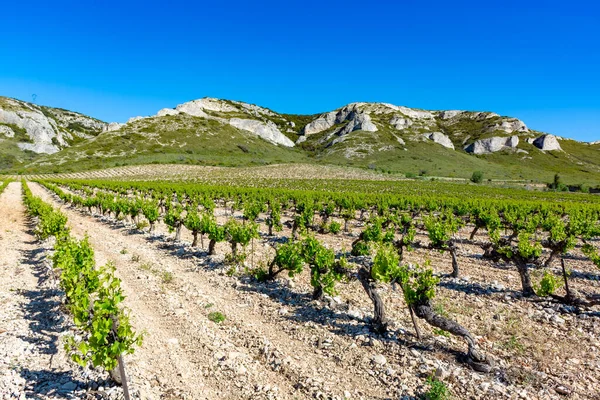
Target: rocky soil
[(277, 343)]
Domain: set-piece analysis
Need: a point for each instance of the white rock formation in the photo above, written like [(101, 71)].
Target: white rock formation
[(7, 131), (113, 126), (38, 127), (450, 114), (133, 119), (411, 112), (267, 131), (357, 120), (440, 138), (513, 125), (198, 107), (400, 123), (547, 143), (254, 109), (320, 124), (48, 128), (167, 111), (492, 145)]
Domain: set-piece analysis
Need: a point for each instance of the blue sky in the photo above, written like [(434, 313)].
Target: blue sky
[(536, 60)]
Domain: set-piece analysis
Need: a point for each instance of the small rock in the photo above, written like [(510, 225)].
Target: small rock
[(563, 390), (68, 387), (379, 359)]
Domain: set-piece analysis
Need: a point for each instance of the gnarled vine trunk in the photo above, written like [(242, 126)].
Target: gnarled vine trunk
[(525, 278), (178, 233), (379, 322), (473, 232), (477, 359), (195, 241), (317, 293), (211, 247), (452, 250)]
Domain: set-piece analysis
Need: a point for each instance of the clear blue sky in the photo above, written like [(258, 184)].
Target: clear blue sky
[(536, 60)]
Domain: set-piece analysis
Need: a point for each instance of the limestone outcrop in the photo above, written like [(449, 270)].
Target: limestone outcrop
[(547, 143), (267, 131), (357, 120), (493, 145), (48, 129), (440, 138)]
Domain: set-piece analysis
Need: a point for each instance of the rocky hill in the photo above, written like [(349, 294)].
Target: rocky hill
[(451, 143), (27, 129)]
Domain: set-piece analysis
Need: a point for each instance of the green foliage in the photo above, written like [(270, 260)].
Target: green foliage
[(547, 285), (557, 184), (216, 232), (591, 252), (361, 248), (323, 274), (239, 233), (150, 211), (514, 344), (274, 217), (437, 390), (441, 228), (252, 210), (78, 275), (289, 257), (477, 177), (109, 330), (386, 264), (141, 225), (440, 332), (173, 217), (418, 284), (528, 249), (93, 295), (192, 220), (335, 227), (167, 277), (51, 222), (216, 317)]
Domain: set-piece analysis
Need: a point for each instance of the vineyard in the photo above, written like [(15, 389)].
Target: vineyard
[(316, 288)]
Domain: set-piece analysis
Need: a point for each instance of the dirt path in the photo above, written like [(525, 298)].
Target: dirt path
[(256, 353)]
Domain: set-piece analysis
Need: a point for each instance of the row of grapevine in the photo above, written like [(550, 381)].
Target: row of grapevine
[(93, 294), (528, 228), (326, 267), (440, 218)]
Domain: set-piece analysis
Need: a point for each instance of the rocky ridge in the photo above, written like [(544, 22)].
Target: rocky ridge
[(256, 120), (45, 129), (357, 133), (474, 132)]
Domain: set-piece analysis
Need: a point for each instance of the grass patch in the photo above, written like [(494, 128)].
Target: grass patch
[(167, 277), (216, 317), (437, 390)]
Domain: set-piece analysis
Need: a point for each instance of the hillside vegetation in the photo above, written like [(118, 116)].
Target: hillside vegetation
[(376, 136)]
